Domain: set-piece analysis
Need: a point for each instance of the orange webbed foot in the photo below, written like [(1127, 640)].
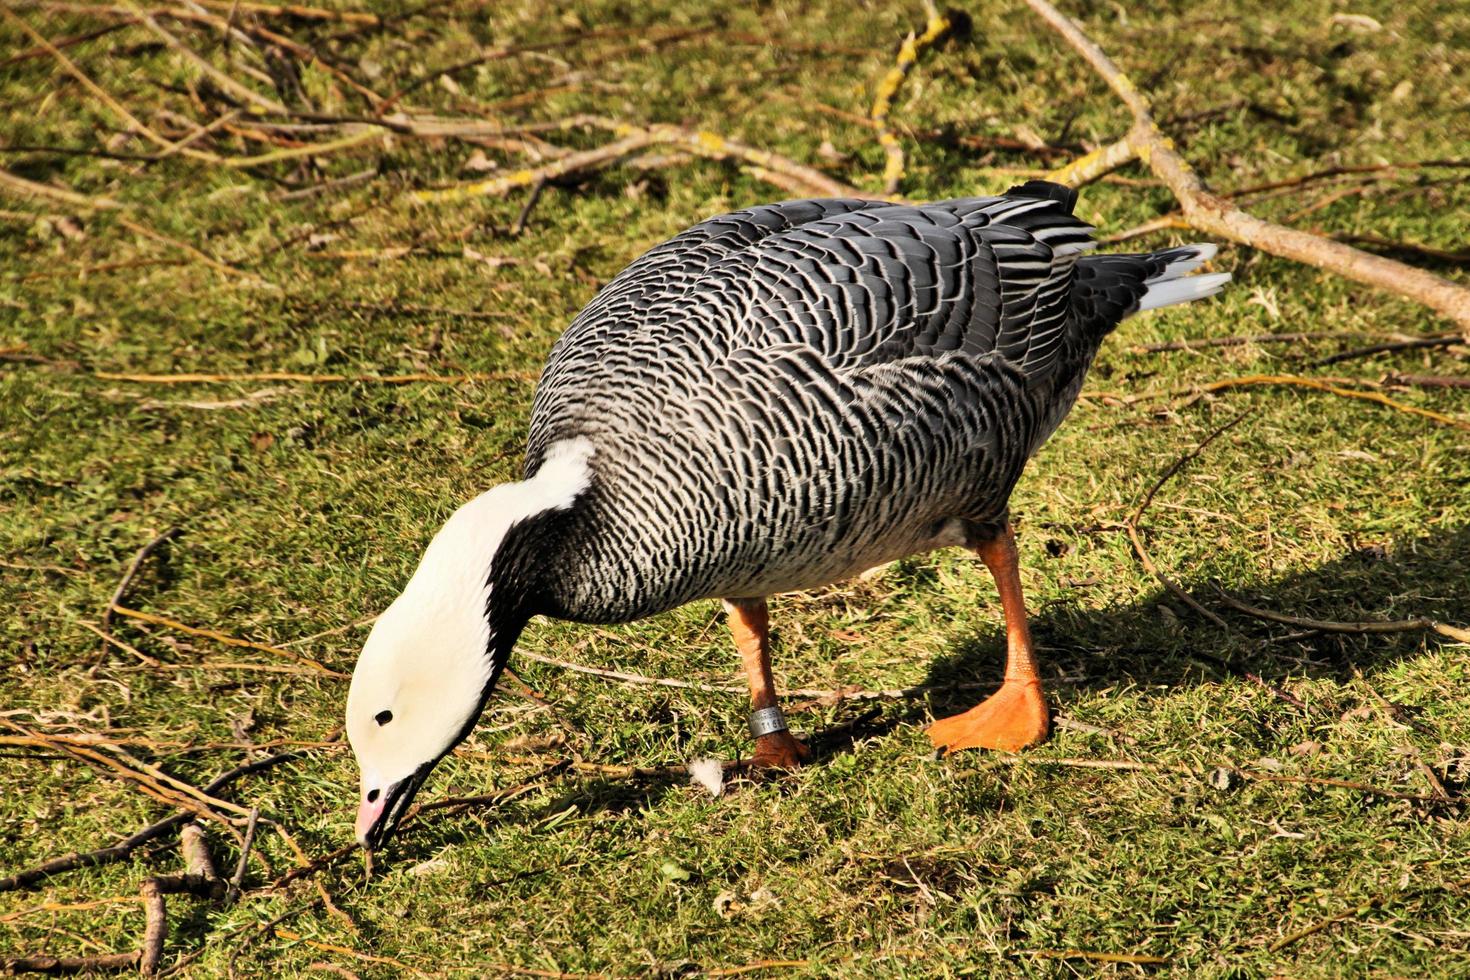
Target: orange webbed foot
[(779, 750), (1010, 719)]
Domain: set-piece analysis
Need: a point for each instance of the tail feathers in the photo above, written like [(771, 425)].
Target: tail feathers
[(1173, 283), (1045, 190)]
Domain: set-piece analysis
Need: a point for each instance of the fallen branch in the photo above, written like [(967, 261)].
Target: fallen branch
[(199, 879), (936, 27), (1456, 633), (1214, 215)]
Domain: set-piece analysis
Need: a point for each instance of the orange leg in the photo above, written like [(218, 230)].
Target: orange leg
[(1015, 716), (749, 623)]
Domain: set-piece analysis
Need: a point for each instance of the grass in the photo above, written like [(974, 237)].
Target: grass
[(304, 508)]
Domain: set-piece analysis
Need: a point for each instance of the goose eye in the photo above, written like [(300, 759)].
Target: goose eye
[(373, 795), (383, 717)]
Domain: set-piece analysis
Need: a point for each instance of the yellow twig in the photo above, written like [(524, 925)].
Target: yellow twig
[(364, 135), (936, 27), (1095, 165), (1300, 382), (226, 639), (630, 139)]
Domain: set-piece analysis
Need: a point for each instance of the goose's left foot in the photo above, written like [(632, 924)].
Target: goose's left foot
[(1010, 719), (779, 750), (775, 746)]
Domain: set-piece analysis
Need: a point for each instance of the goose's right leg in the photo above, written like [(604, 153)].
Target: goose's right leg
[(775, 746), (1016, 715)]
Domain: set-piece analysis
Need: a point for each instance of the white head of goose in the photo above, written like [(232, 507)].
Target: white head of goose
[(774, 400)]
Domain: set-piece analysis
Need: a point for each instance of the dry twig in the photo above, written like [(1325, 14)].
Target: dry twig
[(228, 640), (1456, 633), (936, 27), (631, 139), (122, 587)]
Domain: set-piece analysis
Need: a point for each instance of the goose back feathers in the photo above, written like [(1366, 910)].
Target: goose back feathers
[(782, 396)]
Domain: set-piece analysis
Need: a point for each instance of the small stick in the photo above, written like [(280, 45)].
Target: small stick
[(87, 83), (30, 188), (1376, 902), (126, 647), (208, 260), (1138, 959), (1178, 464), (1320, 385), (1122, 765), (62, 965), (294, 10), (1131, 525), (122, 588), (1203, 342), (149, 779), (1349, 355), (518, 226), (629, 140), (1456, 633), (232, 894), (224, 81)]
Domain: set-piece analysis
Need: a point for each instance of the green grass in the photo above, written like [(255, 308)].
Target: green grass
[(305, 509)]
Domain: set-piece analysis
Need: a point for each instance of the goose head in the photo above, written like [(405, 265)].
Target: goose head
[(432, 658)]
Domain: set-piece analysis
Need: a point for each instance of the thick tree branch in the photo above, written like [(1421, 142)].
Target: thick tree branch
[(1214, 215)]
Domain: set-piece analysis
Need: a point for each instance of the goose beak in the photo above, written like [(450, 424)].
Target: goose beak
[(379, 818)]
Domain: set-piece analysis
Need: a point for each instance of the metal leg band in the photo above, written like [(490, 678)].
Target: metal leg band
[(766, 721)]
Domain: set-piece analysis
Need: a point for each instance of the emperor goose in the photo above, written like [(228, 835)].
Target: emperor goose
[(774, 400)]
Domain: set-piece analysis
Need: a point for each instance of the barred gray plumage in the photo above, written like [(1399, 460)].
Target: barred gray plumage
[(789, 394), (773, 400)]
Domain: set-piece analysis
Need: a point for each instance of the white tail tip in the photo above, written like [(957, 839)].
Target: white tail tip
[(1168, 292)]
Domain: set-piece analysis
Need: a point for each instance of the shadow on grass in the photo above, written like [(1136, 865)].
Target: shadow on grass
[(1139, 645), (1160, 641)]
